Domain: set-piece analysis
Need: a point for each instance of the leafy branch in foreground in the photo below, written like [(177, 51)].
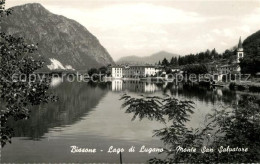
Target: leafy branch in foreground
[(236, 128), (155, 108), (17, 95), (143, 108)]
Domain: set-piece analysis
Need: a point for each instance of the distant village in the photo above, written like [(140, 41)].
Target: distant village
[(218, 70)]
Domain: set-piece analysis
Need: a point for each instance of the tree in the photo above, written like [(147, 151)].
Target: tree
[(16, 93), (214, 55), (237, 128), (174, 61), (93, 71), (227, 54), (103, 70), (250, 65), (207, 54), (180, 60), (165, 62), (195, 69)]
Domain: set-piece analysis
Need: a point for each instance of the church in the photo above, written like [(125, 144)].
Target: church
[(234, 67)]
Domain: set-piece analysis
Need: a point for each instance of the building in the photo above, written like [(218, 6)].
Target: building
[(240, 51), (133, 71), (229, 69), (176, 70), (138, 71), (233, 68), (117, 71)]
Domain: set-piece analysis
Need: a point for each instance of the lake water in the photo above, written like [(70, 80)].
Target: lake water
[(89, 115)]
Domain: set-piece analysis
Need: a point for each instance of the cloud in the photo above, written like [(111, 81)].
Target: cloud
[(228, 32), (217, 31), (207, 38), (223, 43), (142, 28), (121, 15), (245, 28), (252, 17), (138, 26)]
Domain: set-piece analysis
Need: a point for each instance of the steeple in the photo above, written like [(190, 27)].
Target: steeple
[(240, 43), (240, 51)]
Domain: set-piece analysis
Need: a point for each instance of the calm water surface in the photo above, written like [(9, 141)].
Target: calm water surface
[(90, 115)]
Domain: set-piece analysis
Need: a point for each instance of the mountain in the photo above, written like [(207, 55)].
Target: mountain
[(251, 45), (152, 59), (63, 43)]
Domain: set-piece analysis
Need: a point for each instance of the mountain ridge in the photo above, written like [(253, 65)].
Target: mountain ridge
[(150, 59), (60, 39)]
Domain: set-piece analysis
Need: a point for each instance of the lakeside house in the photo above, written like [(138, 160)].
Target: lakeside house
[(116, 71), (229, 68), (132, 71)]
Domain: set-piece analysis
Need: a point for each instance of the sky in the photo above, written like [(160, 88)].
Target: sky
[(144, 27)]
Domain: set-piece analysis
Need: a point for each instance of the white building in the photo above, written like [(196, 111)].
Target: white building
[(117, 72), (132, 71), (176, 70)]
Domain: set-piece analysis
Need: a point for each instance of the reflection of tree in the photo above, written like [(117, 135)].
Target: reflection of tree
[(239, 127), (75, 101), (206, 94)]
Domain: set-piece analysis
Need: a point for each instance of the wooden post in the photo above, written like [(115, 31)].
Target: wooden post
[(121, 162)]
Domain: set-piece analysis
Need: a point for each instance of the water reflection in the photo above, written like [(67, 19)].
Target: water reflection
[(201, 93), (189, 91), (75, 101), (56, 81), (90, 113), (133, 86)]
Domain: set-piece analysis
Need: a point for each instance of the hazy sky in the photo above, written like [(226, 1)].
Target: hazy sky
[(136, 27)]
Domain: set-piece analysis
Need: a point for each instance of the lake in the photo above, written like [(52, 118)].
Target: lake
[(89, 115)]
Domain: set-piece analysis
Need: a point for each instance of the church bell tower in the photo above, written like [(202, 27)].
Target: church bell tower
[(240, 51)]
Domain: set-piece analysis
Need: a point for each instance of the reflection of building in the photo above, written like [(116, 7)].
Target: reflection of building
[(139, 86), (133, 86), (132, 71), (117, 85)]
